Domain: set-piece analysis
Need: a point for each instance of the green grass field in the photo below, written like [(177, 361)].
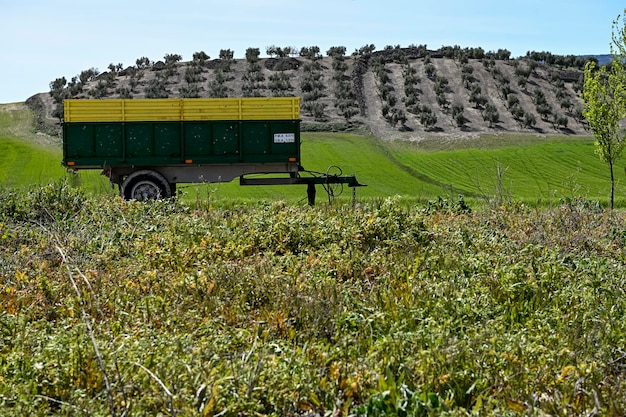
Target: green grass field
[(531, 169), (25, 158)]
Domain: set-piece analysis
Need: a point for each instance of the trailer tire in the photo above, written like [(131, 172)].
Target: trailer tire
[(146, 185)]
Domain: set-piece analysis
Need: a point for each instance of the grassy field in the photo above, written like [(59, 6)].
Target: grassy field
[(531, 169), (527, 168), (25, 157)]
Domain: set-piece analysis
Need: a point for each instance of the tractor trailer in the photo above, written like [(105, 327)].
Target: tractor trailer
[(148, 146)]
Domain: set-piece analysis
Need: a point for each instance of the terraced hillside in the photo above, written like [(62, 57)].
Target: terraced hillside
[(396, 92)]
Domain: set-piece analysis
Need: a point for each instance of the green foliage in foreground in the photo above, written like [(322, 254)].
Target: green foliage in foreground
[(121, 308)]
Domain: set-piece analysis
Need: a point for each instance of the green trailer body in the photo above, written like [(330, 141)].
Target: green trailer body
[(98, 144), (147, 146)]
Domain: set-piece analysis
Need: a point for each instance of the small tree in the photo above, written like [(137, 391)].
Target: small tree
[(217, 87), (270, 50), (171, 59), (366, 49), (101, 90), (124, 92), (200, 58), (58, 92), (143, 62), (522, 74), (226, 58), (279, 84), (491, 115), (157, 88), (134, 79), (310, 52), (226, 54), (190, 91), (477, 99), (559, 121), (426, 117), (529, 120), (115, 68), (57, 89), (457, 114), (252, 55), (398, 116), (336, 52), (74, 87), (430, 70), (193, 74), (567, 104), (539, 97), (512, 100), (604, 96), (518, 113), (544, 111), (347, 108), (88, 75)]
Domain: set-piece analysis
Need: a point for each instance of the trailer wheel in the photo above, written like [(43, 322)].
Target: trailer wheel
[(146, 185)]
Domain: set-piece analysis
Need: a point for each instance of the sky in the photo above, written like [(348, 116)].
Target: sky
[(42, 40)]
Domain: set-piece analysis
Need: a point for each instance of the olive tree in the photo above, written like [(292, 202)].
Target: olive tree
[(57, 89), (143, 62), (171, 59), (58, 92), (252, 55), (604, 95), (490, 114), (200, 58), (310, 52)]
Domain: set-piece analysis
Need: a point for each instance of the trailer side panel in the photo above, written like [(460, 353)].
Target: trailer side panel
[(99, 133)]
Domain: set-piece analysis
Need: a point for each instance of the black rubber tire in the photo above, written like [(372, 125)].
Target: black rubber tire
[(146, 185)]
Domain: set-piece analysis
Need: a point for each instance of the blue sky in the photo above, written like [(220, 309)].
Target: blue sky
[(46, 39)]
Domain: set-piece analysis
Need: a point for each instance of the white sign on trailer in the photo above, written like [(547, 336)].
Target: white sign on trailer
[(284, 137)]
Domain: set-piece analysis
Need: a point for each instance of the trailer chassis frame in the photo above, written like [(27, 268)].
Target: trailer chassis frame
[(328, 181)]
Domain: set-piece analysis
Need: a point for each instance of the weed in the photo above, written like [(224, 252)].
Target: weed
[(111, 307)]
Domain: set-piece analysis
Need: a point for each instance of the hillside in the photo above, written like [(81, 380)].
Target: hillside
[(400, 92)]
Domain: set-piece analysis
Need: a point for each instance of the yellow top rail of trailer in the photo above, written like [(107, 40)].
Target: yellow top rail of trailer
[(179, 109)]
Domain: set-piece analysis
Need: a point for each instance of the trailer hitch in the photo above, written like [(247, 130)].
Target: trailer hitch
[(332, 183)]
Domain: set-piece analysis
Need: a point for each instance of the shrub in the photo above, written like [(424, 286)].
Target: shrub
[(385, 307), (512, 101), (491, 115), (430, 70), (529, 120), (457, 114), (157, 88), (279, 84)]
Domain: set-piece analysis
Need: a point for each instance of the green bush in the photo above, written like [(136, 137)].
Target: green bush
[(385, 308)]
